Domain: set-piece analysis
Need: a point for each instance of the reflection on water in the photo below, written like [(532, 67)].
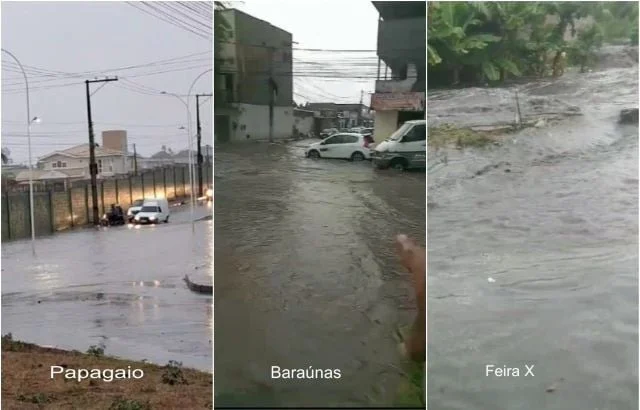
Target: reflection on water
[(119, 286), (533, 256), (306, 275)]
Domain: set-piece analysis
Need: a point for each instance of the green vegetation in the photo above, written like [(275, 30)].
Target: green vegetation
[(96, 351), (449, 135), (173, 373), (489, 42), (26, 382), (121, 403)]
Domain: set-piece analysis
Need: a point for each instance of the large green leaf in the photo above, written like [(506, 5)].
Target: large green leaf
[(509, 66), (486, 38), (490, 71), (433, 56)]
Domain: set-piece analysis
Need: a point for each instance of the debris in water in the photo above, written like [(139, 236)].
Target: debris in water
[(629, 116), (554, 386)]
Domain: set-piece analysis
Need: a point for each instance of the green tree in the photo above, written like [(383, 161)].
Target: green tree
[(582, 50), (449, 37)]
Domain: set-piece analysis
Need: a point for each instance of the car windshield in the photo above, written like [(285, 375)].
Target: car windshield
[(400, 132), (150, 209), (138, 202)]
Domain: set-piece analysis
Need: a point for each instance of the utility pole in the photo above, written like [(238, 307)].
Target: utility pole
[(272, 91), (135, 161), (360, 108), (93, 167), (199, 139)]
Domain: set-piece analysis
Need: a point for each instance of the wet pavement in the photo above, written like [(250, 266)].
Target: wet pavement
[(533, 253), (306, 275), (120, 287)]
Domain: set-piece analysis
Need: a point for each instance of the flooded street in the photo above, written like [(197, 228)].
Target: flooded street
[(533, 250), (306, 275), (120, 287)]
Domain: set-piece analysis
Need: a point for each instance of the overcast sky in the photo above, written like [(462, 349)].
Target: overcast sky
[(73, 37), (332, 25)]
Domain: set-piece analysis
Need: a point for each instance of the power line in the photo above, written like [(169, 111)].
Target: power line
[(324, 50), (167, 18), (37, 71), (44, 87)]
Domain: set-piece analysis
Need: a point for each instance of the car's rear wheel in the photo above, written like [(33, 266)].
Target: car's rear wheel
[(314, 154), (357, 156), (399, 164)]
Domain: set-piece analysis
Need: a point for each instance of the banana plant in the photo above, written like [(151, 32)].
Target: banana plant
[(449, 36)]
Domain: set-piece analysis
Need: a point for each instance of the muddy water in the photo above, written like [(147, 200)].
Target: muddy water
[(533, 253), (121, 287), (306, 275)]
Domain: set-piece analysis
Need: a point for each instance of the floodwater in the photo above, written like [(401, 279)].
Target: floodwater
[(120, 287), (533, 251), (306, 275)]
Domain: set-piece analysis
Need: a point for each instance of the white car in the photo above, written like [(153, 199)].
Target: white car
[(351, 146), (134, 209), (153, 211)]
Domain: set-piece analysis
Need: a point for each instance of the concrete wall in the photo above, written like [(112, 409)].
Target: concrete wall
[(254, 40), (115, 140), (386, 123), (56, 211), (403, 40), (253, 120), (304, 125)]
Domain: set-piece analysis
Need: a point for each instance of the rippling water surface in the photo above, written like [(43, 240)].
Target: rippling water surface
[(533, 253), (305, 275), (120, 287)]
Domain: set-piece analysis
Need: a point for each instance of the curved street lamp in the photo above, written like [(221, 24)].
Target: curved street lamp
[(190, 140), (29, 122), (186, 105)]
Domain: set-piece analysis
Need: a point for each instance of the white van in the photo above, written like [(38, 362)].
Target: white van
[(405, 148), (153, 211)]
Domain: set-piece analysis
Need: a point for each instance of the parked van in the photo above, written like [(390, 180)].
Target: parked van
[(153, 211), (405, 148)]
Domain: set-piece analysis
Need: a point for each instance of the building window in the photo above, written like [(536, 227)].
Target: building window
[(64, 165), (99, 166), (54, 165), (110, 166)]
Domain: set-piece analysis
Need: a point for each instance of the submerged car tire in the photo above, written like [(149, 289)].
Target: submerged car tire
[(314, 154), (399, 164), (357, 156)]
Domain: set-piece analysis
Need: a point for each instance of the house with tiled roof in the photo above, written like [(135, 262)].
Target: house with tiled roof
[(74, 162)]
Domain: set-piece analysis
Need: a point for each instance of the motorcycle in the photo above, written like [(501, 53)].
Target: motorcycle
[(113, 218)]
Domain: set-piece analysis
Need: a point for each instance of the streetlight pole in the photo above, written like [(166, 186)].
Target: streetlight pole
[(29, 121), (190, 143), (186, 105)]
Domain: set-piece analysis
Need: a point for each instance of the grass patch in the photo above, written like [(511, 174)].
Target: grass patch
[(448, 135), (173, 374), (121, 403), (96, 351), (411, 391), (27, 383)]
